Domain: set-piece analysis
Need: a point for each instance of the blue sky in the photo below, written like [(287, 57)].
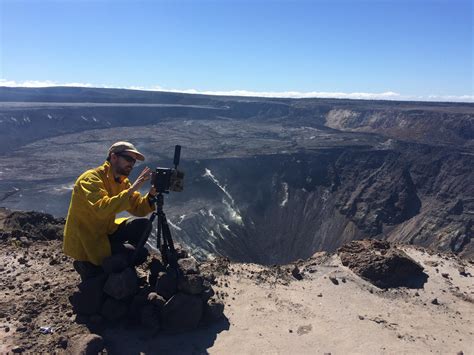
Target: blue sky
[(404, 49)]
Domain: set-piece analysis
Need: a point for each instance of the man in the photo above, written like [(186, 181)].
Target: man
[(92, 232)]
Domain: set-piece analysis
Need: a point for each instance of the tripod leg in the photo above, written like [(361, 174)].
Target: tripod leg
[(171, 256)]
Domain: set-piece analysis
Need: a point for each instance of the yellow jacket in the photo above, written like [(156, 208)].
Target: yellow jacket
[(95, 201)]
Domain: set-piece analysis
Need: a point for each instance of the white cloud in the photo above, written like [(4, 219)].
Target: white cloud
[(389, 95)]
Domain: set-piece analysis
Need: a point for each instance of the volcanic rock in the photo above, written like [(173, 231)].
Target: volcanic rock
[(155, 268), (121, 285), (89, 344), (113, 309), (88, 299), (115, 263), (35, 224), (156, 300), (296, 273), (188, 266), (166, 284), (381, 264), (191, 284), (182, 312), (150, 317)]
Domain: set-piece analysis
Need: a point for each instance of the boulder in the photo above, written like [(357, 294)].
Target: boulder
[(381, 264), (156, 267), (182, 312), (122, 285), (115, 263), (188, 266), (150, 317), (166, 284), (113, 309), (88, 300), (89, 344), (191, 284)]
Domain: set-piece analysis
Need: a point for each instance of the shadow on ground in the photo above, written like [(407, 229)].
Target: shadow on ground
[(136, 340)]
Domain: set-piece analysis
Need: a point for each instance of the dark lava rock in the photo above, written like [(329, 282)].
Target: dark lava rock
[(156, 300), (333, 280), (88, 300), (296, 273), (166, 284), (182, 312), (89, 344), (150, 317), (121, 285), (191, 284), (381, 264), (155, 267), (435, 301), (188, 266), (113, 309), (181, 253), (35, 224), (18, 350), (115, 263)]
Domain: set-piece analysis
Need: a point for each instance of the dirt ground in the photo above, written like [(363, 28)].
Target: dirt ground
[(267, 309)]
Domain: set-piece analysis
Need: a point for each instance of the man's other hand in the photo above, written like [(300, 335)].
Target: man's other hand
[(144, 176)]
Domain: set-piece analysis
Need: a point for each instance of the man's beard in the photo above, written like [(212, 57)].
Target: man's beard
[(123, 171)]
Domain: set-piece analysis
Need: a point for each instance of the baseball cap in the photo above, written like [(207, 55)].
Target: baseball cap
[(120, 147)]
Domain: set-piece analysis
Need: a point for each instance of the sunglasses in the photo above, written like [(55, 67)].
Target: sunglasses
[(128, 158)]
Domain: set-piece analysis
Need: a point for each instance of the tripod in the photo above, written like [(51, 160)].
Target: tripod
[(167, 250)]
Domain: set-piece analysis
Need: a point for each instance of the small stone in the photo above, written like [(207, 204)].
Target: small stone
[(435, 301), (63, 342), (156, 300), (320, 295), (296, 273), (361, 317), (445, 275), (18, 349), (333, 280)]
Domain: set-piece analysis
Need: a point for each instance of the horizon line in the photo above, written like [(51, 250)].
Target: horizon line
[(387, 95)]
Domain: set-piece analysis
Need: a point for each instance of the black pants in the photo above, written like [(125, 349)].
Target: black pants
[(123, 241)]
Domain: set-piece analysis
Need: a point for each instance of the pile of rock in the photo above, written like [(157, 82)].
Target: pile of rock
[(382, 264), (31, 226), (172, 299)]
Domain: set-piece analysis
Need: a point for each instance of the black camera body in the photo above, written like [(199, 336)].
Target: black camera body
[(165, 180)]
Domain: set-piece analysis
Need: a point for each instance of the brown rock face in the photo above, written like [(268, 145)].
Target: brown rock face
[(382, 264)]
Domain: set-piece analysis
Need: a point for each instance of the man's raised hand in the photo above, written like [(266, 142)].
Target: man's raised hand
[(144, 176)]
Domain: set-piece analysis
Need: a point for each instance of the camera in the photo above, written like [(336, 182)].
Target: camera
[(165, 180)]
